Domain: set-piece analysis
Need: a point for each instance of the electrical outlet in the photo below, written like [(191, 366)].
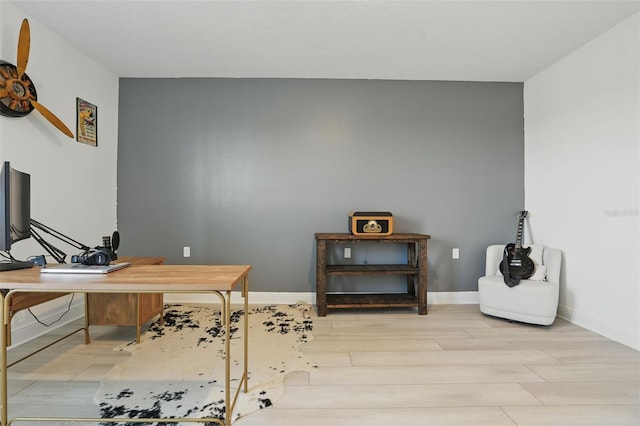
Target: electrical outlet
[(455, 253), (347, 252), (186, 251)]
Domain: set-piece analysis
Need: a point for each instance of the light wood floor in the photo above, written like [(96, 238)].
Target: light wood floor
[(453, 366)]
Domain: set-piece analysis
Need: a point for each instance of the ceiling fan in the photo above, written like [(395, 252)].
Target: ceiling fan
[(18, 95)]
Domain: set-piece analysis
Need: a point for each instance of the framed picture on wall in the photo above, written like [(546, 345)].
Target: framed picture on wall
[(86, 122)]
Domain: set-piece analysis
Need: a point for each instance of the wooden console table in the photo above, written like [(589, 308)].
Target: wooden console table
[(127, 309), (415, 269), (137, 279)]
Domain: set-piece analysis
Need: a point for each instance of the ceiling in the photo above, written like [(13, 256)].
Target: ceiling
[(361, 39)]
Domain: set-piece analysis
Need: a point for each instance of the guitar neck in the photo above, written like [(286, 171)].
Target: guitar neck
[(519, 234), (521, 216)]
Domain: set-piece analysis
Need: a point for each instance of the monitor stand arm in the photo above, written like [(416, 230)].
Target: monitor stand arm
[(57, 254)]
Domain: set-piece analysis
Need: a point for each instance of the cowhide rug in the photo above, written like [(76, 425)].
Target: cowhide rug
[(178, 369)]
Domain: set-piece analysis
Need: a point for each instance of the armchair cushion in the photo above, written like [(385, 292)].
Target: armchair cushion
[(539, 274)]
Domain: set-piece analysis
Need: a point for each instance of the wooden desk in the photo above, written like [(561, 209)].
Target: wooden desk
[(218, 280)]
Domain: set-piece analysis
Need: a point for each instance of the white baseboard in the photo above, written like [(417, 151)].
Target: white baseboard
[(26, 328), (606, 329), (255, 298), (258, 298), (453, 298)]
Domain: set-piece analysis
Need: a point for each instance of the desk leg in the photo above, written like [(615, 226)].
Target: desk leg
[(87, 337), (245, 295), (227, 359), (4, 314), (244, 380)]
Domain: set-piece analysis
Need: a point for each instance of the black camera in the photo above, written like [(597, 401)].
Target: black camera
[(101, 255), (98, 256)]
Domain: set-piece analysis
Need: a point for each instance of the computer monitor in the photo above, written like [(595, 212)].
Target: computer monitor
[(15, 206)]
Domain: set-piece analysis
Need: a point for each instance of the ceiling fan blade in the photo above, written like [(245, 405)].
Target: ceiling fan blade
[(24, 43), (52, 118)]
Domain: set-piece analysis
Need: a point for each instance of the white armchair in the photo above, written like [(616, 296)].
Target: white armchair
[(534, 300)]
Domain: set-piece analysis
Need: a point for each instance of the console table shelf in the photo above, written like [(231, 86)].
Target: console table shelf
[(371, 269), (415, 270), (372, 300)]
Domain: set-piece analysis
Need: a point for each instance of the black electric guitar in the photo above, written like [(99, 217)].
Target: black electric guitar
[(516, 264)]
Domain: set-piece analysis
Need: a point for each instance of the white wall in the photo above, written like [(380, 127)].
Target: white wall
[(73, 185), (582, 185)]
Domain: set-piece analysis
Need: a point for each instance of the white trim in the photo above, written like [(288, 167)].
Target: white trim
[(453, 298), (258, 298), (255, 298), (606, 329), (29, 329)]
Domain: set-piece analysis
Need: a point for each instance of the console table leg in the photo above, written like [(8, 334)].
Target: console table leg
[(321, 277), (422, 277), (411, 260)]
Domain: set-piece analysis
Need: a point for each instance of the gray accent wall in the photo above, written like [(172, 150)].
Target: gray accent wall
[(245, 171)]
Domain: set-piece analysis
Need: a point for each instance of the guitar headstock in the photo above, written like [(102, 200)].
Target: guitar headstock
[(523, 214)]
